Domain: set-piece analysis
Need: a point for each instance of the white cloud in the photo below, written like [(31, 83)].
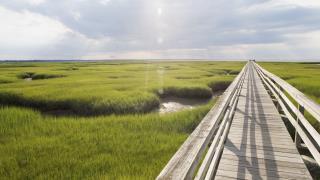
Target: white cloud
[(309, 3), (35, 2), (28, 35), (28, 29), (104, 2)]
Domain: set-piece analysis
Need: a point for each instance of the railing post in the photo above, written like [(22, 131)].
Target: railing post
[(297, 138), (278, 93)]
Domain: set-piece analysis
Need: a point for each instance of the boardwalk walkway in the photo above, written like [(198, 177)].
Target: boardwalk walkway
[(258, 145), (244, 137)]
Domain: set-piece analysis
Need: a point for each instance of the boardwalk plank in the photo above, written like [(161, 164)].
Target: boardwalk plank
[(226, 165), (252, 173)]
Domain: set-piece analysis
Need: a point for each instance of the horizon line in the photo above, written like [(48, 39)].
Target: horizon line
[(160, 59)]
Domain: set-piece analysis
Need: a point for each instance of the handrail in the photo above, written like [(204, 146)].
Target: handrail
[(312, 107), (304, 129), (185, 161), (210, 162)]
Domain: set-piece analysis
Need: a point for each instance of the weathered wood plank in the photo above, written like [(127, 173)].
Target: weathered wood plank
[(247, 175), (268, 166), (266, 148), (223, 178), (255, 161), (276, 139), (264, 169), (272, 155), (259, 172)]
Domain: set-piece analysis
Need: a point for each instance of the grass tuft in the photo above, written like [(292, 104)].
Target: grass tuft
[(5, 81), (219, 85), (142, 104), (186, 92), (35, 76)]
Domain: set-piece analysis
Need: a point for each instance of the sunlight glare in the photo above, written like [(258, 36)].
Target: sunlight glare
[(159, 11)]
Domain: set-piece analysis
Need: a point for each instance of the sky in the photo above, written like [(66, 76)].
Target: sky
[(160, 29)]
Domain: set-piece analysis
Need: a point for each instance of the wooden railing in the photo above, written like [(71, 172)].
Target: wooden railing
[(213, 128), (304, 131)]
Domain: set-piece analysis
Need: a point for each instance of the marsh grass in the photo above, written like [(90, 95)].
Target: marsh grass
[(35, 76), (186, 92), (119, 138), (3, 81), (219, 85), (108, 147), (96, 88)]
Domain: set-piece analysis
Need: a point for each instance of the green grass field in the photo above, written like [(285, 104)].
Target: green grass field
[(112, 132), (107, 147), (109, 87)]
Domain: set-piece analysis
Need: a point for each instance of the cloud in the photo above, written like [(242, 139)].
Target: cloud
[(156, 29), (26, 31)]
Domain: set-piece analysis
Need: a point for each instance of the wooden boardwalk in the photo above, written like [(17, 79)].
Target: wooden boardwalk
[(258, 145), (244, 137)]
